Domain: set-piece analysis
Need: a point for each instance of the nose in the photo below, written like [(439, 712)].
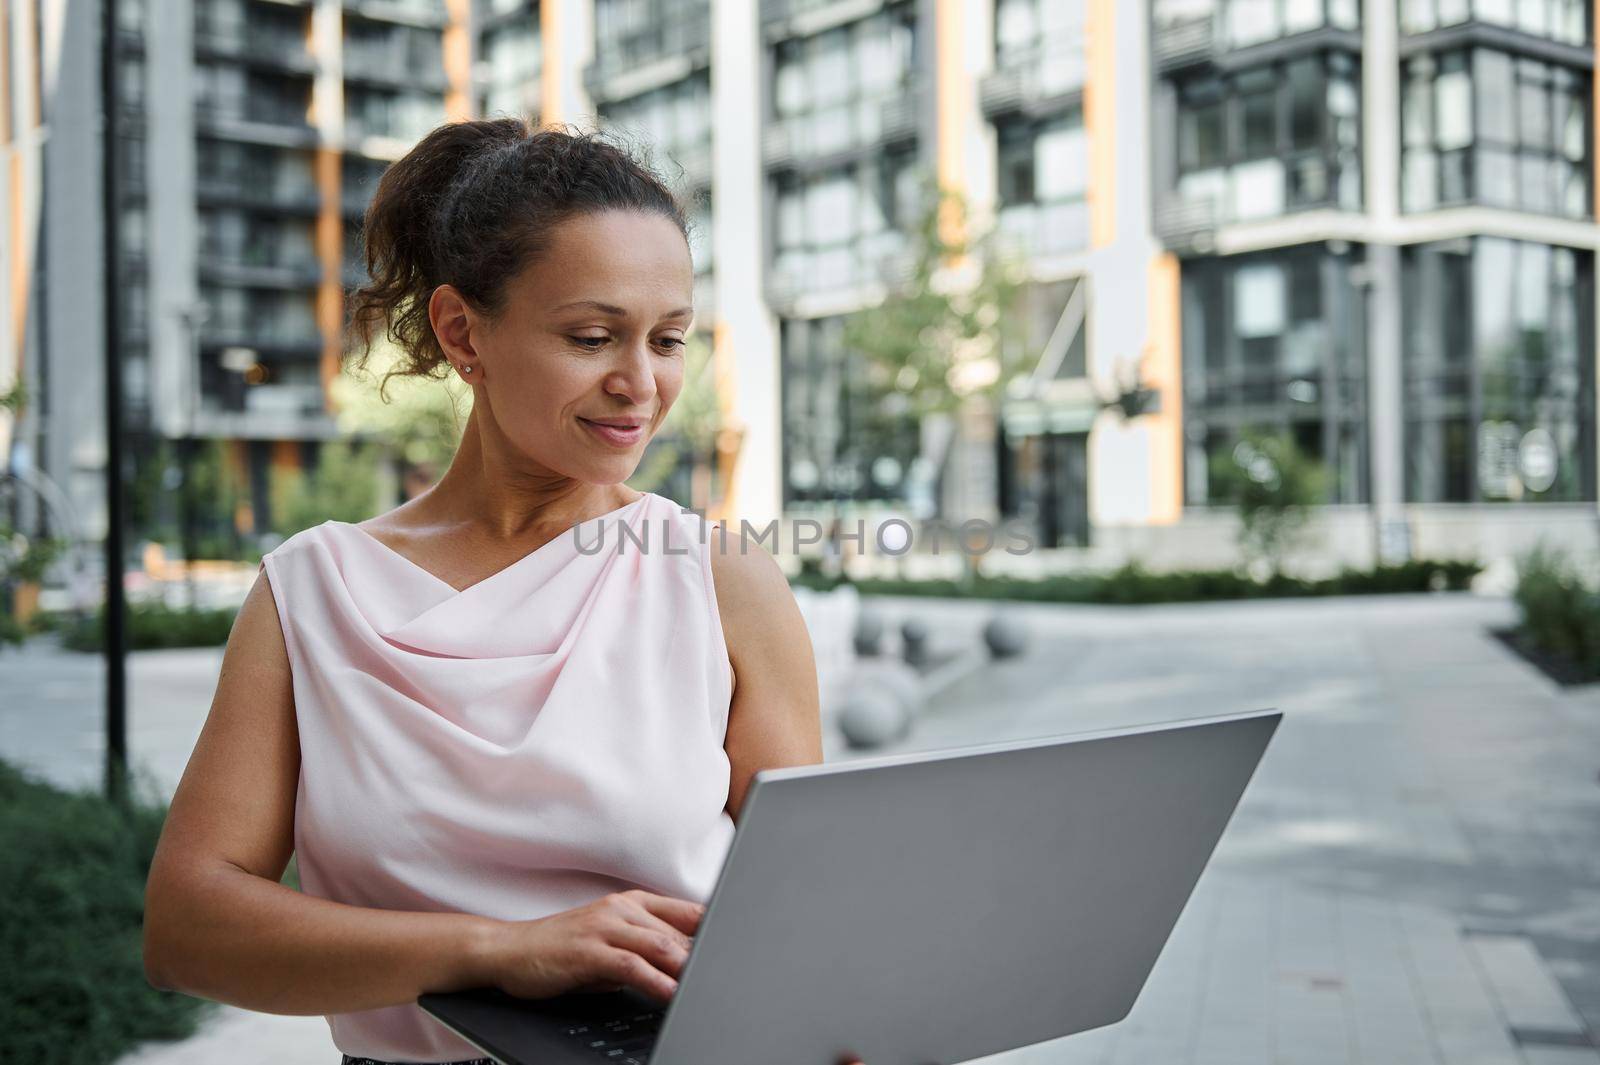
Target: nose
[(632, 376)]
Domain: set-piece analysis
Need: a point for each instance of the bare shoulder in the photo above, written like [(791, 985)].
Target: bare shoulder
[(744, 572)]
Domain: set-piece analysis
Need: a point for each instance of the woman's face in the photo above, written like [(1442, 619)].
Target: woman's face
[(592, 332)]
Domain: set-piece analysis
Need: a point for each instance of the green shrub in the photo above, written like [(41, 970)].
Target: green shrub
[(1560, 612), (152, 626), (1133, 584), (1273, 485), (72, 986)]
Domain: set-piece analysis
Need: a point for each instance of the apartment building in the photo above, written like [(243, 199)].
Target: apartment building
[(1369, 225), (250, 137), (1385, 219), (824, 117)]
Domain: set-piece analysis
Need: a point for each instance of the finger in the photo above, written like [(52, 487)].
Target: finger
[(660, 948), (680, 913), (643, 918), (630, 970)]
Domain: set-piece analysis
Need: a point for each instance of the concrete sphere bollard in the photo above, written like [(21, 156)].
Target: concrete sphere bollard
[(869, 632), (871, 717), (899, 680), (1005, 635), (914, 641)]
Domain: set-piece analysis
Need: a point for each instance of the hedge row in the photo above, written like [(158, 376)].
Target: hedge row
[(1133, 584)]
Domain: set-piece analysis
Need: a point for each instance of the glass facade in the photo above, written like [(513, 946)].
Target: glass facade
[(1043, 37), (1274, 341), (510, 58), (847, 88), (840, 227), (1568, 21), (1043, 182), (1242, 23), (632, 32), (1499, 400), (1487, 127), (841, 436), (1270, 139)]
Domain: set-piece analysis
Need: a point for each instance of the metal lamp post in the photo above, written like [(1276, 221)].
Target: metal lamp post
[(193, 317)]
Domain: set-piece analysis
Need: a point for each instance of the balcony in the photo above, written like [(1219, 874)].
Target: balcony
[(1033, 83), (284, 399), (1044, 229), (1257, 191), (257, 120), (1562, 22), (801, 18), (851, 273), (263, 268), (1187, 225), (413, 63), (650, 58), (272, 335), (1185, 42), (428, 14), (825, 138), (1240, 34), (270, 47), (236, 188)]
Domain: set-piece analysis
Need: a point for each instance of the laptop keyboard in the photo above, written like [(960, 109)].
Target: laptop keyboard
[(622, 1040)]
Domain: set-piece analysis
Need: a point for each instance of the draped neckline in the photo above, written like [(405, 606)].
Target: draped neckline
[(497, 574)]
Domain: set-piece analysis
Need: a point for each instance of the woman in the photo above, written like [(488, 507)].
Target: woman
[(502, 755)]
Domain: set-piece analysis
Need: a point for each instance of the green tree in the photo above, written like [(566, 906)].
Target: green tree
[(343, 487), (1274, 485), (419, 419), (948, 332)]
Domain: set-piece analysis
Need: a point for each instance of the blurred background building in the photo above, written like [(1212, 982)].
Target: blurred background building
[(1369, 226)]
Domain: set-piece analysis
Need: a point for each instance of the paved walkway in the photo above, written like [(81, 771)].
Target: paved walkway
[(1413, 877)]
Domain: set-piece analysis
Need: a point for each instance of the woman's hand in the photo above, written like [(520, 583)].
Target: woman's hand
[(633, 939)]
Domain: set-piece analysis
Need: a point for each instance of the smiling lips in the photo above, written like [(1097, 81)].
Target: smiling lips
[(621, 432)]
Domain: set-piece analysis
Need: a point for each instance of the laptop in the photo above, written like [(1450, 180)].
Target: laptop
[(930, 907)]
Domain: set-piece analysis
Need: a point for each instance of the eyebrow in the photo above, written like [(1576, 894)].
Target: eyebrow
[(613, 309)]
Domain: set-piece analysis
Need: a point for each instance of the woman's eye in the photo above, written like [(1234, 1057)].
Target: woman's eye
[(672, 343), (592, 343)]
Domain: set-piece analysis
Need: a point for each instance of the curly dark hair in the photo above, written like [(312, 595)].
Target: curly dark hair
[(472, 205)]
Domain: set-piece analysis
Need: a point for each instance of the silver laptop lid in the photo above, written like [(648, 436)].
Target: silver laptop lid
[(944, 906)]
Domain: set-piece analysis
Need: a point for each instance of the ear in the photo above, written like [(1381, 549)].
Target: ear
[(453, 321)]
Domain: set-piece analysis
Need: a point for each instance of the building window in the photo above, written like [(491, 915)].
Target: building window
[(843, 226), (1045, 37), (673, 122), (1044, 182), (510, 62), (1241, 23), (1567, 21), (632, 32), (849, 87), (1269, 140), (842, 439), (1273, 342), (1483, 126), (1499, 399), (401, 116)]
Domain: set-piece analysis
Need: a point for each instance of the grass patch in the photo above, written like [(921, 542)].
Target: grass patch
[(72, 986)]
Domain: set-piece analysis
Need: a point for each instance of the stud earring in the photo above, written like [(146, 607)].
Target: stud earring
[(466, 369)]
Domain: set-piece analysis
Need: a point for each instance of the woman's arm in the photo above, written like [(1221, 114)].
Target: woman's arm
[(775, 717), (219, 925)]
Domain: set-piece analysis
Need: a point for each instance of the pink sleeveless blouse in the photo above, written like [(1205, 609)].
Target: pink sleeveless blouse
[(547, 736)]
